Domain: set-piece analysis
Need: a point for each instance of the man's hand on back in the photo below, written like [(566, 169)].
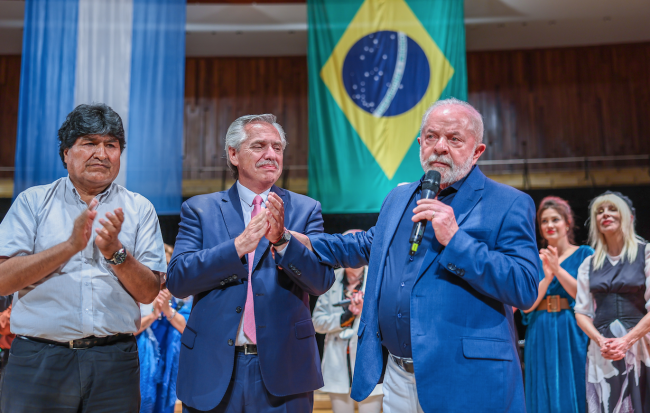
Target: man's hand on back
[(256, 229), (83, 227)]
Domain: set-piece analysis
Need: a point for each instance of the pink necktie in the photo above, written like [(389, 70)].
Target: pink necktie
[(249, 309)]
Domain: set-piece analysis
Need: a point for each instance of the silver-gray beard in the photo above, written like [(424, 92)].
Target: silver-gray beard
[(448, 176)]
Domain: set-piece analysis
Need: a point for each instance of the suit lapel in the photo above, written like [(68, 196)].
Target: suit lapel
[(465, 200), (395, 214), (232, 213)]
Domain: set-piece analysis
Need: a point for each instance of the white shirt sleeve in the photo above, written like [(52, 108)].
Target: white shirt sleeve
[(584, 298), (647, 276)]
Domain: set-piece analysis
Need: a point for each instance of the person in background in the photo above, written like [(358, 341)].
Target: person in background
[(556, 348), (612, 304), (341, 325), (159, 341)]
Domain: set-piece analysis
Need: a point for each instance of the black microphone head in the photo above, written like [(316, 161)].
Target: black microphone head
[(431, 181)]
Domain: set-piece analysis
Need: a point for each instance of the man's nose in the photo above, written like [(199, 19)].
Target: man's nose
[(441, 147), (269, 153), (100, 152)]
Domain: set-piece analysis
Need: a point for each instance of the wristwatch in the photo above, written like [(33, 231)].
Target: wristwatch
[(118, 258), (286, 236)]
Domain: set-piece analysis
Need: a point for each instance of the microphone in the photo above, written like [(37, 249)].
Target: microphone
[(430, 187), (342, 303)]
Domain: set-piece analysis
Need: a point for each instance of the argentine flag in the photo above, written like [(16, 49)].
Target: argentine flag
[(129, 54)]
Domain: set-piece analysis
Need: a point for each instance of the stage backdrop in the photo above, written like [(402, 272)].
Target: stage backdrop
[(129, 54), (375, 66)]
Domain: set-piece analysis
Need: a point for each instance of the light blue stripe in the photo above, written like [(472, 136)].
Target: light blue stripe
[(46, 89), (156, 109)]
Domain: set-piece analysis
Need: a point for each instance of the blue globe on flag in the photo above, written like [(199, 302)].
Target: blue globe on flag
[(386, 73)]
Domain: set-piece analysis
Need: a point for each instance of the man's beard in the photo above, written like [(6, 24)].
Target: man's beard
[(448, 175)]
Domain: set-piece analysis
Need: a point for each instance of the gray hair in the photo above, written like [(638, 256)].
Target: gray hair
[(475, 118), (236, 135)]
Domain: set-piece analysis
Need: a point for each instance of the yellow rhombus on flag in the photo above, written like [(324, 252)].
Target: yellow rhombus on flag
[(388, 138)]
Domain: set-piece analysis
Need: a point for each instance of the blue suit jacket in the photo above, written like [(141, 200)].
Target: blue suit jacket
[(205, 264), (462, 329)]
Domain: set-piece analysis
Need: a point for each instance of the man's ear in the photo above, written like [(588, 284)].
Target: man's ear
[(479, 151), (232, 155)]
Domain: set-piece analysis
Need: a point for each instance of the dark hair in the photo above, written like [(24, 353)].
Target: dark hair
[(94, 119), (563, 208)]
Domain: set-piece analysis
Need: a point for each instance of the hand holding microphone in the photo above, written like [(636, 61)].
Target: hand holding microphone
[(441, 216), (430, 187)]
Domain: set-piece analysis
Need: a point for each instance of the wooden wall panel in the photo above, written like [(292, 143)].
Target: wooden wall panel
[(9, 90), (219, 90), (564, 102), (561, 102)]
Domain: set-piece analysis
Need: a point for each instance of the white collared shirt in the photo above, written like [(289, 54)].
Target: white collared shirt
[(246, 196), (83, 297)]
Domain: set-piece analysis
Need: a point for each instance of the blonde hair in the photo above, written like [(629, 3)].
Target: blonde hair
[(597, 239)]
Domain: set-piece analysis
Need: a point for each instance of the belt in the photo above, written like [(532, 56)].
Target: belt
[(82, 343), (247, 349), (553, 304), (405, 364)]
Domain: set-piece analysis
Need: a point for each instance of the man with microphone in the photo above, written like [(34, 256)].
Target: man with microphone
[(442, 306)]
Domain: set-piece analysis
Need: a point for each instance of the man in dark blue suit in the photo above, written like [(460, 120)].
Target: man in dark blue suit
[(249, 344), (444, 314)]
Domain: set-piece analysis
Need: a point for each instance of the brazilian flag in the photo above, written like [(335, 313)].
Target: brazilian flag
[(375, 66)]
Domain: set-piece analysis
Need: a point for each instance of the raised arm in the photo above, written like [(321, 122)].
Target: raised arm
[(348, 251), (18, 272), (302, 265), (194, 269)]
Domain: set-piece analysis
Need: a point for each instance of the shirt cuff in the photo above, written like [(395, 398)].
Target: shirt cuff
[(281, 253)]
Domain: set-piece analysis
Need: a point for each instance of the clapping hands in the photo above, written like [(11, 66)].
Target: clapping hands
[(268, 223)]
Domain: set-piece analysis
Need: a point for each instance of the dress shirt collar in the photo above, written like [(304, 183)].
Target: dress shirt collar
[(247, 196), (455, 187), (100, 197)]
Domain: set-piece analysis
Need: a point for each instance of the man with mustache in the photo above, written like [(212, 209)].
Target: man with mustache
[(444, 314), (77, 279), (249, 344)]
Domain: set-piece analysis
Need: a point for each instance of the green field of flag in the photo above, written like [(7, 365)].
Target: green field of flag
[(375, 66)]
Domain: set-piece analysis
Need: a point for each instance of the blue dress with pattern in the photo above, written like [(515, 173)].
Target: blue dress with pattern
[(556, 351)]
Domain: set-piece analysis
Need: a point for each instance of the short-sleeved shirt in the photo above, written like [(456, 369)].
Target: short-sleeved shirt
[(84, 296)]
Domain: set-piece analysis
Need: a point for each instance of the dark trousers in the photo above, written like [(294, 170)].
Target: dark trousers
[(246, 393), (48, 378)]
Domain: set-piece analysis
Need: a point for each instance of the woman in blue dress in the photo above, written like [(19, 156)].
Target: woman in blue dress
[(158, 348), (556, 348)]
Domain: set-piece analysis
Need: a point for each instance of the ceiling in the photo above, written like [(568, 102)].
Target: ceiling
[(280, 29)]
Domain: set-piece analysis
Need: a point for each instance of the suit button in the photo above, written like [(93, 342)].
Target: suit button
[(377, 334), (451, 267), (223, 283), (234, 276), (230, 342), (238, 309)]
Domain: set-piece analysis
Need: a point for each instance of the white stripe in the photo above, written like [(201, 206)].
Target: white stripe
[(103, 70), (400, 64)]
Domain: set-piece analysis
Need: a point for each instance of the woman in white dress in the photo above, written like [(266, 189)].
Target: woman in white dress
[(612, 305)]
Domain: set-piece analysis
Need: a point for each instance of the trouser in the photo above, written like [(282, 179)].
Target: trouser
[(400, 392), (343, 403), (44, 378), (247, 393)]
